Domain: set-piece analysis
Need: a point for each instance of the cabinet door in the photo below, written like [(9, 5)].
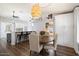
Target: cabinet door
[(68, 30), (64, 29)]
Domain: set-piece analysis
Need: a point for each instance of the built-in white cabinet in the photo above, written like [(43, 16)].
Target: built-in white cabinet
[(64, 29), (76, 29)]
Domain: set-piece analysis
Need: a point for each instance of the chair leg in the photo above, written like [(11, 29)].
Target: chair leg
[(30, 53), (55, 52)]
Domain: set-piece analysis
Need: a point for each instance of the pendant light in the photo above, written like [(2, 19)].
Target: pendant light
[(36, 11)]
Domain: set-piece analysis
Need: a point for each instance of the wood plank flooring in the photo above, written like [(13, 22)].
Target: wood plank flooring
[(22, 49), (65, 51)]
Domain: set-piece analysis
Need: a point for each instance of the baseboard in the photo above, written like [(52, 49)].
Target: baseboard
[(65, 46)]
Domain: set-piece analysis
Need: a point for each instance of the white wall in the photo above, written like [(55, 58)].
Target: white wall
[(64, 29), (39, 25), (3, 30)]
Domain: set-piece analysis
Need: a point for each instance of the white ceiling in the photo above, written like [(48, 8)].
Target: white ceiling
[(60, 7), (24, 9)]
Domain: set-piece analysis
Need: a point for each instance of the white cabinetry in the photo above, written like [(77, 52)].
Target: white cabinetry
[(64, 29), (76, 29)]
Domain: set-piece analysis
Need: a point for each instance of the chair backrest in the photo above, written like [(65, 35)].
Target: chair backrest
[(34, 42)]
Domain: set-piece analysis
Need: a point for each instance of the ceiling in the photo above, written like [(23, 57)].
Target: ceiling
[(24, 9)]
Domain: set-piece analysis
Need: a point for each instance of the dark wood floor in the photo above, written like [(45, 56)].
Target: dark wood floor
[(22, 49), (65, 51)]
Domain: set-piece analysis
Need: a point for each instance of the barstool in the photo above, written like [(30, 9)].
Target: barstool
[(18, 37)]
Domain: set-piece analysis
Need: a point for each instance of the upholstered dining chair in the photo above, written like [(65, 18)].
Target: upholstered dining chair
[(34, 43), (52, 45)]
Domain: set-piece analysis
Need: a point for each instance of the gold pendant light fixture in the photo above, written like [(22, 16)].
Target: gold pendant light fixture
[(36, 10)]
